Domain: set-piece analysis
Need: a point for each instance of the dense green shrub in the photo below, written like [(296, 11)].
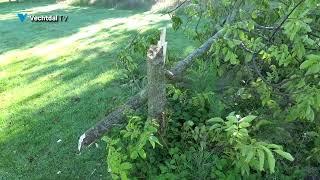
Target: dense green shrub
[(252, 107)]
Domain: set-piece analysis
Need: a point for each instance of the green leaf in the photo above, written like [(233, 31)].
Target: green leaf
[(153, 140), (274, 146), (106, 139), (306, 64), (243, 132), (232, 118), (248, 57), (248, 119), (126, 166), (244, 124), (231, 128), (250, 155), (312, 64), (250, 26), (215, 126), (261, 159), (286, 155), (142, 154), (134, 155), (189, 123), (153, 144), (176, 22), (123, 176), (270, 158), (314, 69), (299, 49), (215, 120), (114, 176), (175, 96), (262, 123), (254, 14), (310, 114)]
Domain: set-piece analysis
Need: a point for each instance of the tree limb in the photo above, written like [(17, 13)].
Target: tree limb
[(115, 117), (177, 7), (181, 66), (285, 19)]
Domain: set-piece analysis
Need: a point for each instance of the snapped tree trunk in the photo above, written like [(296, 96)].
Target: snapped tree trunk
[(156, 80)]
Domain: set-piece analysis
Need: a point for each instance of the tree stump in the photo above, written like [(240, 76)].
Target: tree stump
[(156, 89)]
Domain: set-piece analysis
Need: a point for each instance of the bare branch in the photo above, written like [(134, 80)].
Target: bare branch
[(264, 27), (285, 19), (115, 117), (177, 7)]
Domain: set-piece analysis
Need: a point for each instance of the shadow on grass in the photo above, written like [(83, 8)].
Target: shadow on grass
[(34, 151), (29, 148), (95, 57)]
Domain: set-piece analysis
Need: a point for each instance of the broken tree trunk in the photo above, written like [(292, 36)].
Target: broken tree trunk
[(156, 80), (118, 116)]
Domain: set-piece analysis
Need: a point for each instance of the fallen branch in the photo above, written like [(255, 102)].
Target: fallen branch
[(115, 117), (181, 66)]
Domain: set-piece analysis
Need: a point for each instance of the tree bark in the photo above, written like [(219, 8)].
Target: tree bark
[(156, 80), (115, 117), (181, 66)]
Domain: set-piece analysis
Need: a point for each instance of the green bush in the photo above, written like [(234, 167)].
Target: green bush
[(264, 69)]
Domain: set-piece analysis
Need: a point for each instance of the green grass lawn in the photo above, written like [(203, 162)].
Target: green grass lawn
[(59, 79)]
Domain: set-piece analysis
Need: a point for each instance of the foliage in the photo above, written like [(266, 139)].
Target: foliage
[(266, 63), (132, 141), (245, 152), (189, 143), (131, 60)]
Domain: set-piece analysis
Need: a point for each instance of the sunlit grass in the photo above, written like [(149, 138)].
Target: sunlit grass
[(57, 80)]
